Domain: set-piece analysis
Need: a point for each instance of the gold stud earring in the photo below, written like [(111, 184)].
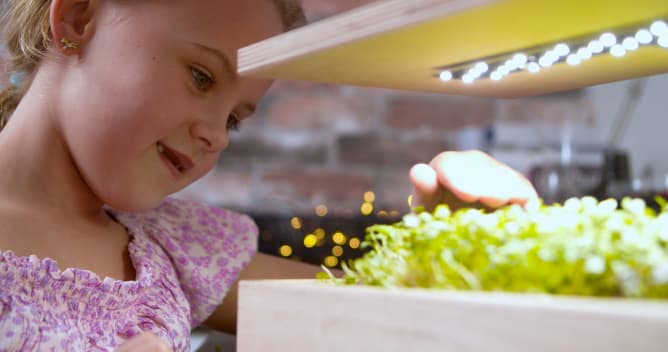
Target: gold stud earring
[(67, 44)]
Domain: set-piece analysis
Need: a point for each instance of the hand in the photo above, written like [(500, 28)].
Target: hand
[(470, 178), (144, 342)]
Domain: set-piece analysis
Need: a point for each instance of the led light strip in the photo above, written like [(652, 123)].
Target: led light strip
[(536, 59)]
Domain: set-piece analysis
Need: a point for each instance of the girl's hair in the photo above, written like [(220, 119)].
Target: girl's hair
[(291, 12), (28, 35)]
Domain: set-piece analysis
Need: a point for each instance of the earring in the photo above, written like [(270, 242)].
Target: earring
[(67, 44)]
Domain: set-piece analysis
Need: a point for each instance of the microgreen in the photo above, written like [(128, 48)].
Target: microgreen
[(580, 247)]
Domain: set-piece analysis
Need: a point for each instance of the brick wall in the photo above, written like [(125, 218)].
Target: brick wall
[(312, 144)]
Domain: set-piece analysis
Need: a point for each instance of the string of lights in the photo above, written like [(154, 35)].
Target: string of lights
[(572, 52)]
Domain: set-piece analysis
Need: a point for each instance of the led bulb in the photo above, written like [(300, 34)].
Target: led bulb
[(584, 54), (562, 49), (510, 64), (573, 59), (608, 40), (663, 41), (481, 67), (659, 28), (552, 55), (595, 46), (468, 79), (495, 76), (630, 44), (644, 36), (545, 61), (534, 67), (445, 76), (617, 50), (519, 59)]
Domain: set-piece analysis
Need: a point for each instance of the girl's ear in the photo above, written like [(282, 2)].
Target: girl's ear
[(72, 23)]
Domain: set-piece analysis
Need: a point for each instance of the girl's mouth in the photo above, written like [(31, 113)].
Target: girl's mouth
[(178, 163)]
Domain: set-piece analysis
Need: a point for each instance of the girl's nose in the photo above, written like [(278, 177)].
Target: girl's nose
[(210, 138)]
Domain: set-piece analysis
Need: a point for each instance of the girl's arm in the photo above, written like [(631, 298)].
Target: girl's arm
[(262, 266)]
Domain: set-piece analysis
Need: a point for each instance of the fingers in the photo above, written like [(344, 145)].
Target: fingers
[(525, 191), (466, 174), (476, 177), (145, 342), (468, 179), (426, 190)]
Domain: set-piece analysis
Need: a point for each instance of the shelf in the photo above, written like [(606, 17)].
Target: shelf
[(400, 44), (307, 315)]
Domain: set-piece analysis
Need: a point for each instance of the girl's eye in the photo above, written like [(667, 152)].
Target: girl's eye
[(202, 80), (233, 122)]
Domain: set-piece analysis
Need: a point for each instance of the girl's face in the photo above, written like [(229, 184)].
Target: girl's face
[(158, 79)]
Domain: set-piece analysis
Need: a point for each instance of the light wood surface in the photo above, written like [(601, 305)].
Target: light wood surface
[(307, 315), (398, 44)]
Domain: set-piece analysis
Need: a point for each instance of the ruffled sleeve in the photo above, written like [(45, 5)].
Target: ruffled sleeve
[(208, 247)]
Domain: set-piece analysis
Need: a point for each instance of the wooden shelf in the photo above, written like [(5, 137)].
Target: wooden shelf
[(399, 44), (306, 315)]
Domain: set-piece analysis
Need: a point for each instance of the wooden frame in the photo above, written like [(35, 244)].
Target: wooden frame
[(307, 315)]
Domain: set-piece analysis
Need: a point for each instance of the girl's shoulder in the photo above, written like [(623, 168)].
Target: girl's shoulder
[(189, 222), (173, 213), (207, 246)]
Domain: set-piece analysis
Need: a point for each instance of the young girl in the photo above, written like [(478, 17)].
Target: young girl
[(121, 103)]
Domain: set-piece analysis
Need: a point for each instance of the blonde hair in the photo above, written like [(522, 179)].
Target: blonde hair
[(28, 36)]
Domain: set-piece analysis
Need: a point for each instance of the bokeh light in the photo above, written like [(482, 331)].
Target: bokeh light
[(310, 240), (339, 238), (320, 233), (331, 261), (366, 208), (285, 250), (296, 223), (321, 210)]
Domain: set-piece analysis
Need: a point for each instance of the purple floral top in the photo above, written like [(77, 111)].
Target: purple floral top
[(186, 255)]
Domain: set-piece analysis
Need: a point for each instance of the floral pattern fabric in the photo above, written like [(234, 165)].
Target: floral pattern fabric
[(186, 255)]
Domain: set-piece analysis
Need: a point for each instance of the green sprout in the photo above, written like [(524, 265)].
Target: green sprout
[(580, 247)]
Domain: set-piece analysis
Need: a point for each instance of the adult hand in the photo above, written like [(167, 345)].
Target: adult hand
[(470, 178), (144, 342)]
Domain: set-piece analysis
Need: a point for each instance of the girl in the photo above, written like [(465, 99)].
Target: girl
[(124, 102)]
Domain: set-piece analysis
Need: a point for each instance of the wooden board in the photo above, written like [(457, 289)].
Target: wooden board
[(399, 44), (306, 315)]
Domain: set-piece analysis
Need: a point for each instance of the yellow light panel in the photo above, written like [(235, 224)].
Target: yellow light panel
[(398, 44)]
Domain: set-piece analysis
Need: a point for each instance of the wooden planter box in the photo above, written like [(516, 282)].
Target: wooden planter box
[(307, 315)]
